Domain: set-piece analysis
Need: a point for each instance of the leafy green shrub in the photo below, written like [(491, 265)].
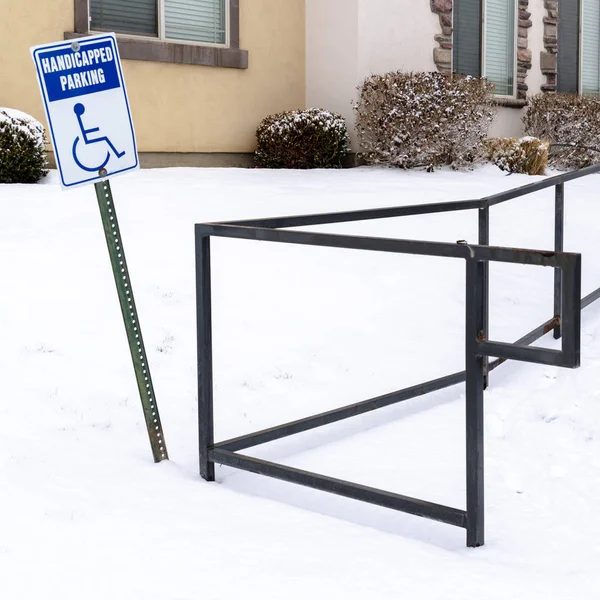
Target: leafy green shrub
[(566, 119), (423, 119), (22, 148), (519, 155), (302, 139)]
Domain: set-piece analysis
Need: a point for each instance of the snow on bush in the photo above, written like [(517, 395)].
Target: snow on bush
[(527, 155), (22, 148), (566, 119), (302, 139), (423, 119)]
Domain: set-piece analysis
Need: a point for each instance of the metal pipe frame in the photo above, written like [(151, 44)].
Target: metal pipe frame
[(415, 209), (476, 349), (566, 323), (539, 185), (559, 227)]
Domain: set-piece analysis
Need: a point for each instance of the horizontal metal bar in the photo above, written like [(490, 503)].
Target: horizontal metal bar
[(424, 248), (411, 210), (595, 295), (538, 332), (529, 338), (338, 414), (541, 356), (539, 185), (357, 215), (413, 506)]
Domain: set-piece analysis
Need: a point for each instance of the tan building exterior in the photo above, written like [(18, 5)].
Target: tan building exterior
[(199, 103), (176, 107)]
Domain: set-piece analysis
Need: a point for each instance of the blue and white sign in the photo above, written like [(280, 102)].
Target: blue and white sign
[(87, 108)]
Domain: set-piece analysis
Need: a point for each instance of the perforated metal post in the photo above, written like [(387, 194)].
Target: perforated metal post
[(130, 318)]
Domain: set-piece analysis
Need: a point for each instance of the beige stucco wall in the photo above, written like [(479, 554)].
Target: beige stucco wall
[(507, 123), (395, 35), (535, 78), (348, 40), (176, 108), (332, 55)]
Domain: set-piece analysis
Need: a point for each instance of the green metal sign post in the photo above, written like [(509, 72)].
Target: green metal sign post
[(130, 318)]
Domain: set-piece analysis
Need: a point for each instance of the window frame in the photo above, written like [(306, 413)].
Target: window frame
[(580, 50), (580, 91), (484, 10), (482, 50), (160, 37), (160, 49)]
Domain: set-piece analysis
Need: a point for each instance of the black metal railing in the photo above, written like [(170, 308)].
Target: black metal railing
[(565, 323)]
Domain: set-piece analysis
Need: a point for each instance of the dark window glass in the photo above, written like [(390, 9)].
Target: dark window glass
[(138, 17), (568, 46), (467, 37)]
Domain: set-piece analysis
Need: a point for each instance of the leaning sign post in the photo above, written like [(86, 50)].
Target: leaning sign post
[(86, 104)]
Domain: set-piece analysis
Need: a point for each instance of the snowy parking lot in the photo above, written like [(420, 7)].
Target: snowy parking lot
[(86, 514)]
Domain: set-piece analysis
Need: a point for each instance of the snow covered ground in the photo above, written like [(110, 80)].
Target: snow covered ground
[(85, 513)]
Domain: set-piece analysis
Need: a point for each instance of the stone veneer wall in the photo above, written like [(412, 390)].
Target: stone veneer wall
[(548, 59), (442, 54)]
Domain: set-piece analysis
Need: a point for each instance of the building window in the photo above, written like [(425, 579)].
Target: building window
[(191, 32), (579, 47), (485, 43), (590, 47), (568, 47), (199, 21)]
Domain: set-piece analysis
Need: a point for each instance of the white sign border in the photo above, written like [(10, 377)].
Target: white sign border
[(68, 44)]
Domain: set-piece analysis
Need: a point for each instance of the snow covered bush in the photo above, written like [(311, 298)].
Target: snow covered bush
[(22, 148), (302, 139), (423, 119), (527, 155), (566, 119)]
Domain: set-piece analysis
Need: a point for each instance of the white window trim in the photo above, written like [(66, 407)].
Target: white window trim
[(161, 30), (513, 96), (580, 51), (515, 48), (580, 55)]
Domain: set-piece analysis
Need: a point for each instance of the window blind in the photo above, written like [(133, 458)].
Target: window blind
[(466, 43), (590, 47), (568, 42), (138, 17), (500, 45), (195, 20)]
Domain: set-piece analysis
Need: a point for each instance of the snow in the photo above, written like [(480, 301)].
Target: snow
[(24, 122), (18, 114), (84, 512)]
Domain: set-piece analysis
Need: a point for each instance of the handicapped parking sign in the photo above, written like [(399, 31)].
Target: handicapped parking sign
[(86, 104)]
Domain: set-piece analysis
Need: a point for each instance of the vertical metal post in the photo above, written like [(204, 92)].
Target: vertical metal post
[(484, 240), (474, 403), (571, 310), (204, 348), (130, 318), (559, 223)]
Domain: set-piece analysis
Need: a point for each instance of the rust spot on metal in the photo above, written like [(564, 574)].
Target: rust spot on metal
[(552, 324)]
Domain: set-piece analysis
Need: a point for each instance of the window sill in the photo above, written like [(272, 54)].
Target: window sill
[(174, 52), (510, 102)]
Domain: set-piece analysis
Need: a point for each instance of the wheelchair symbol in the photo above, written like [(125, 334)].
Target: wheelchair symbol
[(79, 109)]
